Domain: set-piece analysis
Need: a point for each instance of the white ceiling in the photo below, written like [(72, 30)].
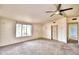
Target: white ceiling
[(35, 13)]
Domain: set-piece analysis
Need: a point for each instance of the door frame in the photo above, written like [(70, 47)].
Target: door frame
[(52, 31)]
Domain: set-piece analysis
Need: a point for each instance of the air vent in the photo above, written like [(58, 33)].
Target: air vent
[(74, 19), (54, 22)]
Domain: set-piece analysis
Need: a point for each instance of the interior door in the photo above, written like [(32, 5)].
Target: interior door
[(54, 32)]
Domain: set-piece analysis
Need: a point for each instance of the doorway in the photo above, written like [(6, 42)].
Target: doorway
[(72, 33), (54, 32)]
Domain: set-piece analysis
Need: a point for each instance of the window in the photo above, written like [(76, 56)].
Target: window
[(23, 30)]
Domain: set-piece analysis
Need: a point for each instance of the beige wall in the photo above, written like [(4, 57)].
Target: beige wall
[(0, 30), (47, 30), (69, 20), (7, 32), (62, 29)]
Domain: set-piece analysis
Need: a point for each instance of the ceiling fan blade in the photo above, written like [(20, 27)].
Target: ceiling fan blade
[(52, 15), (49, 11), (66, 9), (59, 6)]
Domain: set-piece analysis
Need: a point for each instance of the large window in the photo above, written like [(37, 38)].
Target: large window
[(23, 30)]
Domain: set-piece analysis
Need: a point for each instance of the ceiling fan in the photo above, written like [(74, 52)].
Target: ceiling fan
[(58, 11)]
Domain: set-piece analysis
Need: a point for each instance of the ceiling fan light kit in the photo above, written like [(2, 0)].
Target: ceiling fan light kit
[(57, 12)]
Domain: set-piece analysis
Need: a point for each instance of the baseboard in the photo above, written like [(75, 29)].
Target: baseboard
[(24, 41)]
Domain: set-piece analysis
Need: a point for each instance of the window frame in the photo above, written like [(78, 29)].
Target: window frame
[(22, 23)]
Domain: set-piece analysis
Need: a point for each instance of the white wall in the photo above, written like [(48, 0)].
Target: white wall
[(62, 29), (7, 31)]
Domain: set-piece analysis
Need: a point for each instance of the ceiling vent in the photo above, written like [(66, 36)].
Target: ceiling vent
[(54, 22), (74, 19)]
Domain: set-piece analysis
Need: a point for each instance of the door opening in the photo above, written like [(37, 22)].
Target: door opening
[(72, 33), (54, 32)]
